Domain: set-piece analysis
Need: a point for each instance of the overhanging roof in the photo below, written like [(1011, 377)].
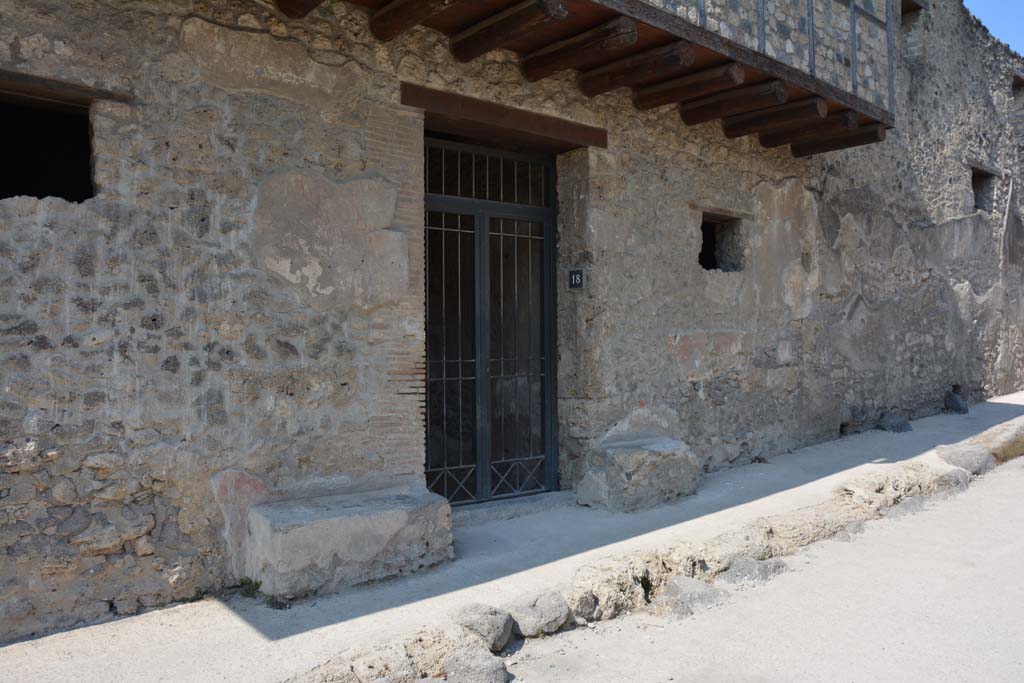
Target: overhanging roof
[(662, 57)]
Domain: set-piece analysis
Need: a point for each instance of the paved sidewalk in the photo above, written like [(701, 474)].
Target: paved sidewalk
[(498, 560), (934, 596)]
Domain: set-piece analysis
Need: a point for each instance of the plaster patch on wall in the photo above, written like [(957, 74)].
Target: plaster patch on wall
[(330, 242)]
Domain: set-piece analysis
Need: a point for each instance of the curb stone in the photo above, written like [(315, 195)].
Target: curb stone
[(617, 586)]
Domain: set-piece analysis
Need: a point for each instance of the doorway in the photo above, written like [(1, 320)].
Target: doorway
[(490, 257)]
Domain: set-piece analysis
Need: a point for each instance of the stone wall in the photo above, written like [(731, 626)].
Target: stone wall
[(237, 316)]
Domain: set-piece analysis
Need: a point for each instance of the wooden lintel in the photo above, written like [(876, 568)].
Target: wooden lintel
[(297, 9), (499, 30), (690, 87), (834, 124), (732, 102), (641, 68), (775, 118), (865, 135), (398, 16), (451, 113), (604, 40), (16, 86)]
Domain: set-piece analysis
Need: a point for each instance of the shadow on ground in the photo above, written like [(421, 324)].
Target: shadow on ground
[(491, 550)]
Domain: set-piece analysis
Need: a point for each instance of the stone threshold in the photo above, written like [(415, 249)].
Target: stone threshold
[(533, 554)]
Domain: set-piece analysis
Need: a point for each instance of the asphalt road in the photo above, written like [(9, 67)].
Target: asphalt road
[(932, 596)]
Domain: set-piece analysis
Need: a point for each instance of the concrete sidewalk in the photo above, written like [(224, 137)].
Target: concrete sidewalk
[(499, 559)]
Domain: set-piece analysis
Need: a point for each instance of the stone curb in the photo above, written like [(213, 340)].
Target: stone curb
[(618, 586)]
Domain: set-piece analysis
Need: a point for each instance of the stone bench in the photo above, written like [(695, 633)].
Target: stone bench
[(309, 545)]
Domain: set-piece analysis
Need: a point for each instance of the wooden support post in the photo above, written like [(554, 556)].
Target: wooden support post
[(690, 87), (398, 16), (608, 38), (641, 68), (776, 118), (865, 135), (505, 27), (834, 124), (296, 9), (732, 102)]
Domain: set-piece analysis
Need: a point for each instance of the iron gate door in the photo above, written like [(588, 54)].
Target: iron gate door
[(489, 295)]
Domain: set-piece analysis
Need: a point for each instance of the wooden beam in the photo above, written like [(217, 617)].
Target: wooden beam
[(450, 113), (834, 124), (732, 102), (398, 16), (690, 87), (634, 69), (605, 40), (517, 21), (775, 118), (297, 9), (865, 135)]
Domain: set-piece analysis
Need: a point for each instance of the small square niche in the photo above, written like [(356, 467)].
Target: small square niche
[(721, 243), (983, 183)]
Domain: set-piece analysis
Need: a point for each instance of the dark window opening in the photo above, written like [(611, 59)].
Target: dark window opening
[(1018, 86), (910, 10), (984, 185), (721, 246), (47, 149)]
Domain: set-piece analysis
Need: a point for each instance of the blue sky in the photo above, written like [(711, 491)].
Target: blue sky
[(1005, 18)]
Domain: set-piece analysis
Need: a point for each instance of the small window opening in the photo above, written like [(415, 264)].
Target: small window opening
[(721, 246), (910, 10), (48, 149), (1018, 86), (984, 185)]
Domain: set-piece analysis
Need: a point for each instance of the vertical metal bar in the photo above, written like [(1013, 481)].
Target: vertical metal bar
[(853, 46), (549, 304), (702, 13), (444, 349), (810, 36), (890, 38), (483, 357), (761, 38)]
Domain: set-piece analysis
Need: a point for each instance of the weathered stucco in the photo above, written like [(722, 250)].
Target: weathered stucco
[(237, 316)]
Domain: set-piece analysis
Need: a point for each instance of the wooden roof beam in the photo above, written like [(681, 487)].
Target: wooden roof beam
[(499, 30), (297, 9), (690, 87), (833, 124), (394, 18), (605, 40), (775, 118), (732, 102), (865, 135), (634, 69)]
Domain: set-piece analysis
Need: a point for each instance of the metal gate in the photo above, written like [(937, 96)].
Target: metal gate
[(490, 256)]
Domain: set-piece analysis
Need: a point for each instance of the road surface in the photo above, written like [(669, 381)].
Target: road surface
[(933, 596)]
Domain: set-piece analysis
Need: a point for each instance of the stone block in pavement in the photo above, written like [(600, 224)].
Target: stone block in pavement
[(539, 614), (747, 571), (493, 625), (971, 457), (683, 596), (632, 475)]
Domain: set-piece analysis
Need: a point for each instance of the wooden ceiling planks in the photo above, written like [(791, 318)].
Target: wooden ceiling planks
[(665, 60)]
